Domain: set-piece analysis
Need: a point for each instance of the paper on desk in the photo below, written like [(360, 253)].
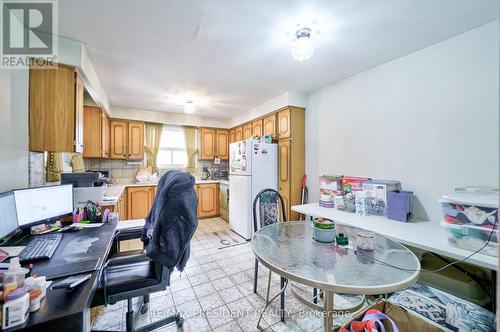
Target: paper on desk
[(13, 251), (94, 225)]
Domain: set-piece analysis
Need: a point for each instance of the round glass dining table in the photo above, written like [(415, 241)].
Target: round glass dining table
[(289, 250)]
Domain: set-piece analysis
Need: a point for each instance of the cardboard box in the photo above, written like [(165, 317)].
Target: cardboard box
[(405, 320), (329, 187), (352, 183)]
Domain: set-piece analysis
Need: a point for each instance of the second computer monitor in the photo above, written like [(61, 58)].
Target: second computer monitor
[(8, 217), (35, 205)]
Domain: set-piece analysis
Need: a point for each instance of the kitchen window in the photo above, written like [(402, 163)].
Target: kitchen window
[(172, 151)]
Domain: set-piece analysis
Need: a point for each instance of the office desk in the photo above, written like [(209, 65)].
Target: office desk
[(70, 311)]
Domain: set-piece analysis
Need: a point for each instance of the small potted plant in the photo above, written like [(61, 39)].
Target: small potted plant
[(324, 230)]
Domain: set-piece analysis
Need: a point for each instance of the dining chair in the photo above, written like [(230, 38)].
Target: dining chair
[(268, 213)]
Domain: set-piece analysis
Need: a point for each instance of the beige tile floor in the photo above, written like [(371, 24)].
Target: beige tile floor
[(215, 293)]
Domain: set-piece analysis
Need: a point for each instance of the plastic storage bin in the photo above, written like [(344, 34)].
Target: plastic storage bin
[(473, 209), (472, 238)]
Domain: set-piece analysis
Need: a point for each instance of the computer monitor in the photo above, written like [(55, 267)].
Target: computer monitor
[(43, 204), (8, 216)]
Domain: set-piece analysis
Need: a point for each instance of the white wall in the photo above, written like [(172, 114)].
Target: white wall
[(167, 118), (429, 119), (13, 129), (285, 99)]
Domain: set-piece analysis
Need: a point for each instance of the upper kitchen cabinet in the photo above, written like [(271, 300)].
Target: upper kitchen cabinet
[(269, 126), (55, 109), (96, 133), (238, 133), (213, 143), (222, 143), (232, 136), (127, 139), (207, 143), (105, 135), (247, 130), (284, 129), (257, 128), (135, 140)]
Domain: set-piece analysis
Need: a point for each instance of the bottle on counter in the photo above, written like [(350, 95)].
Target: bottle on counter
[(14, 276)]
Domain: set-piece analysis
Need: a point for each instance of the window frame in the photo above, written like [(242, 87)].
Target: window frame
[(172, 149)]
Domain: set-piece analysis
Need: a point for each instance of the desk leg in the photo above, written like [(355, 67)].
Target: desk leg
[(328, 314), (494, 290)]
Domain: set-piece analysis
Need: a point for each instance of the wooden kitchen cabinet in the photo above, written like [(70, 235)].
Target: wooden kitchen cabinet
[(269, 126), (135, 140), (222, 144), (208, 200), (284, 129), (284, 173), (207, 146), (291, 156), (247, 130), (95, 133), (118, 135), (287, 126), (232, 133), (122, 207), (257, 128), (55, 109), (126, 139), (238, 134), (139, 201), (105, 135), (214, 143)]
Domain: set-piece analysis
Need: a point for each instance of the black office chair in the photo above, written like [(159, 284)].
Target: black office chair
[(169, 227), (128, 277), (269, 201)]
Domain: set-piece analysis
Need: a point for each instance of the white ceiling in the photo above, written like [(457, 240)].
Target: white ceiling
[(232, 55)]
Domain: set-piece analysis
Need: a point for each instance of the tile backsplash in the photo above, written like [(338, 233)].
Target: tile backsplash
[(36, 167), (126, 171), (120, 169), (223, 166)]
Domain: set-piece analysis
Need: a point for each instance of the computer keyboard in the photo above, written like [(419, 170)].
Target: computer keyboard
[(41, 247)]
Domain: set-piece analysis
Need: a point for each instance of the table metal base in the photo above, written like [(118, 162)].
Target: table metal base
[(327, 308), (268, 302)]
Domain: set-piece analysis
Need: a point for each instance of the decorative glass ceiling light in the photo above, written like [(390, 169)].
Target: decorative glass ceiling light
[(189, 107), (302, 45)]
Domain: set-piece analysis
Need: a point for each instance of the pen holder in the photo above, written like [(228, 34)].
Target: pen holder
[(400, 205)]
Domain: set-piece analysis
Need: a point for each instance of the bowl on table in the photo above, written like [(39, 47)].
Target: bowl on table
[(324, 230)]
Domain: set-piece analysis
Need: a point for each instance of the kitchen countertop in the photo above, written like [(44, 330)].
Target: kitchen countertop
[(114, 191)]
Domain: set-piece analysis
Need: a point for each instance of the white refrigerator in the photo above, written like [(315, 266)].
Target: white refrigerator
[(253, 166)]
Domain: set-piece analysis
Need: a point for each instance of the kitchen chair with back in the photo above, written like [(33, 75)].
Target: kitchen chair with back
[(268, 212)]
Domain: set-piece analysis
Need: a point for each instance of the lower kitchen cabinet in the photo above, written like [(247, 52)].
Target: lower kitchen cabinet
[(121, 207), (139, 201), (208, 200), (136, 201)]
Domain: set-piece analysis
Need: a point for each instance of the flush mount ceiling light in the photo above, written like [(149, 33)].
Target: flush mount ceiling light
[(302, 42), (189, 107)]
